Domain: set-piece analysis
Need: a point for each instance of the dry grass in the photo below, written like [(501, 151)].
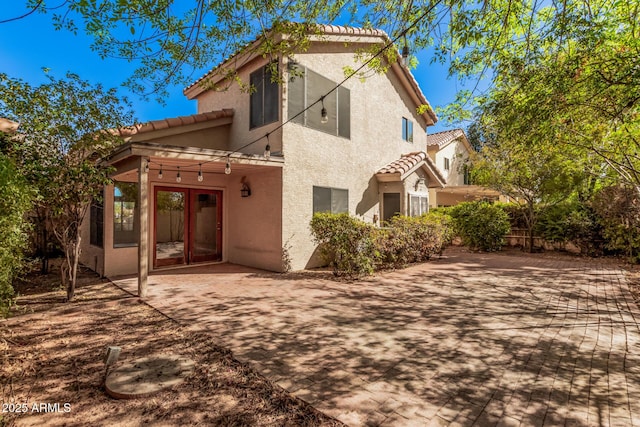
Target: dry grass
[(51, 352)]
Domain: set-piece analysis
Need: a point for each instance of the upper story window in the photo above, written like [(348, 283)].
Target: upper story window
[(447, 165), (407, 130), (264, 97), (305, 88)]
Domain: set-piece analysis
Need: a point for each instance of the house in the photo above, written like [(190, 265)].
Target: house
[(450, 151), (240, 180)]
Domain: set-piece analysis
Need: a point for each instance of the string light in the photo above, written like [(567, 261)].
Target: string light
[(267, 149), (200, 177), (146, 166), (178, 177), (227, 168), (160, 173), (324, 117)]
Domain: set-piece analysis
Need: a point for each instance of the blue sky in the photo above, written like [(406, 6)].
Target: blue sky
[(27, 45)]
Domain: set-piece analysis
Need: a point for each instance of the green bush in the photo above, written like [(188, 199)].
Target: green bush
[(618, 209), (573, 222), (480, 225), (353, 248), (346, 243), (15, 200), (412, 239)]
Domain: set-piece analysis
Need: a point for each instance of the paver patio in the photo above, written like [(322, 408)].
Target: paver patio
[(469, 339)]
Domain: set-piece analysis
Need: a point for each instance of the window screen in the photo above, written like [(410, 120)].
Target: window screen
[(96, 232), (305, 88), (264, 98), (332, 200)]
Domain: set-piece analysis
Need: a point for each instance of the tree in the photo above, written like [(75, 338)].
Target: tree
[(63, 134), (537, 178), (171, 40), (15, 200)]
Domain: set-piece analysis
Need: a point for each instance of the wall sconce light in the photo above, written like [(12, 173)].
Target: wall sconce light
[(245, 191)]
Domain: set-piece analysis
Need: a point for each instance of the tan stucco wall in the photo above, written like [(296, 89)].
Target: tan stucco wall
[(316, 158), (213, 138), (254, 227)]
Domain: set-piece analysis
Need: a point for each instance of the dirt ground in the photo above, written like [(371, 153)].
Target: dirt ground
[(51, 352)]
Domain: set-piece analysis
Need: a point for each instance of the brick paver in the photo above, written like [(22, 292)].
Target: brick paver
[(469, 339)]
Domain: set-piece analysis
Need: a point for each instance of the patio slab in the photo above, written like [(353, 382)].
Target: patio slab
[(468, 339)]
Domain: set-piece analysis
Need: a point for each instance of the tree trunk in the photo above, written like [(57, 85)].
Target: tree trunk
[(73, 258)]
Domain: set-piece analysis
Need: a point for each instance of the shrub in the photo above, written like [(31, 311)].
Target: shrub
[(573, 222), (15, 198), (353, 248), (481, 225), (412, 239), (618, 208), (346, 243)]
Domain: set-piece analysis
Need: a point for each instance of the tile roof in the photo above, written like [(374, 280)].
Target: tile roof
[(324, 29), (175, 122), (443, 138), (404, 163), (409, 161)]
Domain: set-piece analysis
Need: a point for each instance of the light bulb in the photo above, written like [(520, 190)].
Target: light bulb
[(267, 152), (200, 177), (227, 168), (324, 117), (160, 173), (178, 177)]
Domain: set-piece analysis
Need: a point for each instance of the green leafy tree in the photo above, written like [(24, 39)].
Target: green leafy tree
[(15, 200), (63, 135), (536, 178), (170, 40)]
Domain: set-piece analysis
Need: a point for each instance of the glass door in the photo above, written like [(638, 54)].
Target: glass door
[(170, 226), (188, 226), (205, 230)]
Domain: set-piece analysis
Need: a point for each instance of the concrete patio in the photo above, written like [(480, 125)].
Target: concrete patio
[(468, 339)]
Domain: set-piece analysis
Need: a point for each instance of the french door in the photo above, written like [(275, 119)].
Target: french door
[(188, 226)]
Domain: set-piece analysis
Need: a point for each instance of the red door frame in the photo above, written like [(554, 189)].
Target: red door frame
[(193, 194), (189, 224)]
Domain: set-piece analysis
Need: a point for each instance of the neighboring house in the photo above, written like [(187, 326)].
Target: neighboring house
[(450, 151), (201, 188)]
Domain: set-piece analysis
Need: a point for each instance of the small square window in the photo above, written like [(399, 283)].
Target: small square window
[(332, 200), (407, 130)]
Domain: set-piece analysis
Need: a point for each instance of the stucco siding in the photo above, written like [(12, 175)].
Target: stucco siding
[(316, 158)]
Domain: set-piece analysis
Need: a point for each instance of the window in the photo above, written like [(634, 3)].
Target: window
[(390, 205), (125, 224), (446, 164), (418, 204), (96, 223), (467, 175), (333, 200), (305, 88), (264, 98), (407, 130)]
